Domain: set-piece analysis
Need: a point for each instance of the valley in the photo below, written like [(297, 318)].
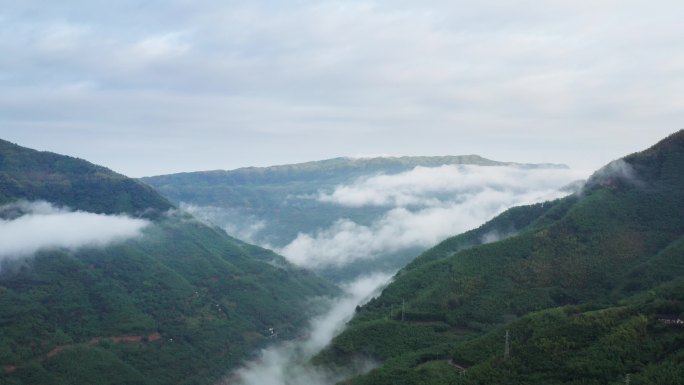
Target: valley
[(547, 277), (341, 192)]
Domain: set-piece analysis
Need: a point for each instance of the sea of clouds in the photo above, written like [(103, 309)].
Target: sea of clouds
[(424, 206)]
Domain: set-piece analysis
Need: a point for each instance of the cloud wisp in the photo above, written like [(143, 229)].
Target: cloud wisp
[(425, 206), (288, 363), (618, 169), (41, 226)]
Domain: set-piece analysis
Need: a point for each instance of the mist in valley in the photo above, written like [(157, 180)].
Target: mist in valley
[(287, 363), (405, 213)]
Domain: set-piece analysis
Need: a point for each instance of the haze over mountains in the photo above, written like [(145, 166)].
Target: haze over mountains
[(346, 216)]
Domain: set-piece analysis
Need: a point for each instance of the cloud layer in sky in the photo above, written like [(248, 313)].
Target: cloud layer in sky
[(425, 206), (43, 226), (179, 85)]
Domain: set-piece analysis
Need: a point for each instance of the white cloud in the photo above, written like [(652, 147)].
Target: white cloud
[(431, 186), (617, 169), (61, 38), (425, 206), (43, 226), (151, 49)]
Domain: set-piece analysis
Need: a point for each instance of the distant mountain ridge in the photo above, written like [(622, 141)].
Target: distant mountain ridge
[(581, 288), (334, 169), (183, 303)]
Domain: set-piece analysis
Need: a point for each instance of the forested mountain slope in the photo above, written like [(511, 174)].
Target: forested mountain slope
[(64, 180), (181, 303), (606, 262)]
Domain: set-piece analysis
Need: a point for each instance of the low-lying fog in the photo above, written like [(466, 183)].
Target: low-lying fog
[(286, 363)]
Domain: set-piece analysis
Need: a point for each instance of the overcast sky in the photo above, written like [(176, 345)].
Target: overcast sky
[(151, 87)]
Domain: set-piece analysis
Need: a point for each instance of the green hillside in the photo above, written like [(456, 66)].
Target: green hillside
[(66, 181), (183, 304), (579, 287)]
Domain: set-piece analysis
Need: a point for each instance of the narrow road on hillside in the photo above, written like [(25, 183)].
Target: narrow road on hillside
[(455, 365)]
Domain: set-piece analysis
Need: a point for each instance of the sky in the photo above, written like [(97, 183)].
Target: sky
[(154, 87)]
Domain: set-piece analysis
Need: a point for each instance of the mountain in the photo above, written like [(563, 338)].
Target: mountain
[(586, 291), (179, 302), (276, 205), (34, 175)]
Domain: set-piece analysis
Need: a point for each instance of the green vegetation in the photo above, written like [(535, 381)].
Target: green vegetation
[(566, 345), (62, 180), (182, 304), (579, 288)]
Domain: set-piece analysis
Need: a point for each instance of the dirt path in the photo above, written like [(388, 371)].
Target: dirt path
[(455, 365), (115, 339)]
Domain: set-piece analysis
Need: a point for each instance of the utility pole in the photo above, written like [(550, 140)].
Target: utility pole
[(391, 311), (507, 349)]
